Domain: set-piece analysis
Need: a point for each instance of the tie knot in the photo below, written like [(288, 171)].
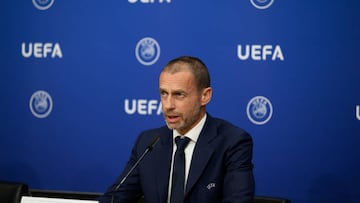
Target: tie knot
[(181, 142)]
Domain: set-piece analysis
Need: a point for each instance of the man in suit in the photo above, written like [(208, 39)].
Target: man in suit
[(218, 155)]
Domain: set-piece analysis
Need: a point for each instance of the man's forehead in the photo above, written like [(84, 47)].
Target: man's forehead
[(183, 74), (177, 81)]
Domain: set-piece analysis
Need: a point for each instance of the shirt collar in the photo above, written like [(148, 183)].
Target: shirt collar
[(194, 133)]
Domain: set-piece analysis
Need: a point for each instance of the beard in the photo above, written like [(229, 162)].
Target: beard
[(185, 123)]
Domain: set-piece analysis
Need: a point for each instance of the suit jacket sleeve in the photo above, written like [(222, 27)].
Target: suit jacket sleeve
[(239, 180), (130, 190)]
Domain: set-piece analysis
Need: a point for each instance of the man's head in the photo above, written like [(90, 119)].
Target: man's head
[(185, 90)]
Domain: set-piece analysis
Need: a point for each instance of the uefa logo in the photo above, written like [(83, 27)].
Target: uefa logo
[(41, 104), (259, 110), (147, 51), (43, 4), (262, 4)]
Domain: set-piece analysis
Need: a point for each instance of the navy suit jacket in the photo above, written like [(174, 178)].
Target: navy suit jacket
[(220, 171)]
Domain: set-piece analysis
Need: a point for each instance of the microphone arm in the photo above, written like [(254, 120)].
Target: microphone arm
[(147, 150)]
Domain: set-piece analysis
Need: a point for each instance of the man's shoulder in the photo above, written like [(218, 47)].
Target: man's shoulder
[(151, 133), (227, 127), (162, 129), (222, 123), (148, 136)]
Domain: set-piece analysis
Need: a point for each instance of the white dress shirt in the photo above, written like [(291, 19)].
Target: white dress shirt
[(193, 134)]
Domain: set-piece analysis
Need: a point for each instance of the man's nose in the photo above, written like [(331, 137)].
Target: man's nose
[(168, 103)]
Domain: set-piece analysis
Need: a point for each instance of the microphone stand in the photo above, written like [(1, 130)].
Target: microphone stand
[(147, 150)]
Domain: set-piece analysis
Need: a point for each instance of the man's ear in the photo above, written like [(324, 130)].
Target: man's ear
[(206, 96)]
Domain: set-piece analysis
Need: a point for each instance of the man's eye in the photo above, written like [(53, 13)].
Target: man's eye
[(163, 94), (180, 94)]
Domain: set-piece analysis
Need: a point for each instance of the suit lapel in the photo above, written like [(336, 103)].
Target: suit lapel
[(202, 153), (162, 161)]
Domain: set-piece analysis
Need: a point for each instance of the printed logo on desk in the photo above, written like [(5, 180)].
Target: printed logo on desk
[(41, 104), (259, 110), (43, 4), (262, 4), (147, 51)]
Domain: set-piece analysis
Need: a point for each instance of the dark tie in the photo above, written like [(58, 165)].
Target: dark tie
[(178, 176)]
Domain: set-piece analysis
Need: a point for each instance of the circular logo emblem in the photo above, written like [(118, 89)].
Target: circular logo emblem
[(41, 104), (147, 51), (259, 110), (262, 4), (43, 4)]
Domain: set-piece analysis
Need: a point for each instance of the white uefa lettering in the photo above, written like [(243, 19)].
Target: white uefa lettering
[(278, 54), (358, 112), (25, 53), (159, 110), (241, 55), (41, 50), (142, 107), (149, 1), (129, 110), (267, 51), (259, 52), (152, 106), (256, 52), (38, 50), (47, 49), (57, 51)]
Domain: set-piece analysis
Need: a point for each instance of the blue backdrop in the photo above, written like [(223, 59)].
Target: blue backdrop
[(79, 81)]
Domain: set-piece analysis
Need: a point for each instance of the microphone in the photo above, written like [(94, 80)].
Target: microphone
[(150, 147)]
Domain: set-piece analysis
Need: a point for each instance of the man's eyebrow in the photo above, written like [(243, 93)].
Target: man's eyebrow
[(172, 91)]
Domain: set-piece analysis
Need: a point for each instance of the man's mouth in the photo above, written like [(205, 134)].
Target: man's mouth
[(172, 118)]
